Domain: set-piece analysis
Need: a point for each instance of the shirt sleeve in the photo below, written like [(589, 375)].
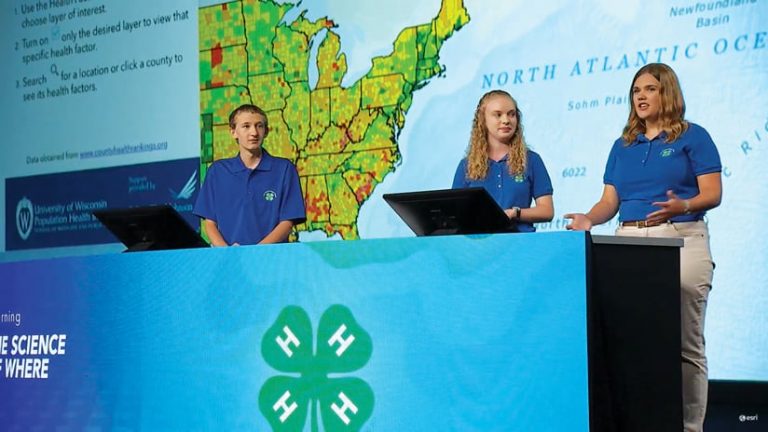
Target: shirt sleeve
[(702, 152), (205, 205), (541, 184), (292, 207), (609, 177), (460, 177)]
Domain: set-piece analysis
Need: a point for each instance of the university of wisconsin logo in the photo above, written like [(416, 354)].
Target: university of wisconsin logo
[(270, 195), (25, 218), (667, 152), (346, 403)]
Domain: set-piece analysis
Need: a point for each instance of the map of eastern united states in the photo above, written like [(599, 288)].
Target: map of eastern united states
[(343, 140)]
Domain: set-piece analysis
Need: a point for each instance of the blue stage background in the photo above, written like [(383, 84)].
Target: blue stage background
[(569, 64)]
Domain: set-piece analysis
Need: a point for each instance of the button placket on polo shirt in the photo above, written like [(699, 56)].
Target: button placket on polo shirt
[(251, 173), (497, 173)]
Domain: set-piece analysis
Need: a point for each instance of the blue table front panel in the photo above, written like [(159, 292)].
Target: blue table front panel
[(466, 333)]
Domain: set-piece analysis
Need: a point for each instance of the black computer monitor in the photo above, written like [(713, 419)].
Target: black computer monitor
[(153, 227), (450, 211)]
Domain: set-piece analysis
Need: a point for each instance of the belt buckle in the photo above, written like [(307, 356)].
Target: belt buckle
[(636, 224)]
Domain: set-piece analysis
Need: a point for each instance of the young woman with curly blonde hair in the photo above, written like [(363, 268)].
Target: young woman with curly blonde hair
[(499, 161)]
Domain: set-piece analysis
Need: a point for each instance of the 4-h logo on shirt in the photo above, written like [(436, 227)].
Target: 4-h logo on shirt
[(346, 403), (270, 195), (519, 178), (667, 152)]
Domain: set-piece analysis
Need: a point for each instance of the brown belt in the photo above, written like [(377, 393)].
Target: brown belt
[(639, 224)]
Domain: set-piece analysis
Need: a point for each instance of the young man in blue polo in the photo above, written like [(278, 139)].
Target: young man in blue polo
[(252, 198)]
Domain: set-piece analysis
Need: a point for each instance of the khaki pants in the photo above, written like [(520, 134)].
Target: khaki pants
[(696, 268)]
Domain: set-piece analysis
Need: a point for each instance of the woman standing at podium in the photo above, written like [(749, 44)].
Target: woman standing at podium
[(499, 161), (662, 175)]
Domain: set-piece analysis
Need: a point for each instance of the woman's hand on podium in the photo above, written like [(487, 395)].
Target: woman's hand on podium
[(580, 222)]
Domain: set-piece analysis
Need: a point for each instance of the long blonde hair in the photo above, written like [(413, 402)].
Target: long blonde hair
[(671, 112), (477, 153)]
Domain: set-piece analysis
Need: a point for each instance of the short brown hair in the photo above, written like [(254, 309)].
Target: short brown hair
[(247, 108)]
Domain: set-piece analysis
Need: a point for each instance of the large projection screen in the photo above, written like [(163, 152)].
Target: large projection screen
[(108, 102)]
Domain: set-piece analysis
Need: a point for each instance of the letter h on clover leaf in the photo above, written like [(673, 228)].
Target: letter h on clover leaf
[(346, 403)]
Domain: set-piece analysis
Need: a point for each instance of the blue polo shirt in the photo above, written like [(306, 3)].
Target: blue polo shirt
[(645, 170), (510, 191), (248, 204)]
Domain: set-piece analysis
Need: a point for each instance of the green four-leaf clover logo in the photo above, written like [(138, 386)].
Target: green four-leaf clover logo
[(346, 403)]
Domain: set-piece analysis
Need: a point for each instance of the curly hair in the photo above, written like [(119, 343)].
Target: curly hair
[(477, 153), (671, 112)]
